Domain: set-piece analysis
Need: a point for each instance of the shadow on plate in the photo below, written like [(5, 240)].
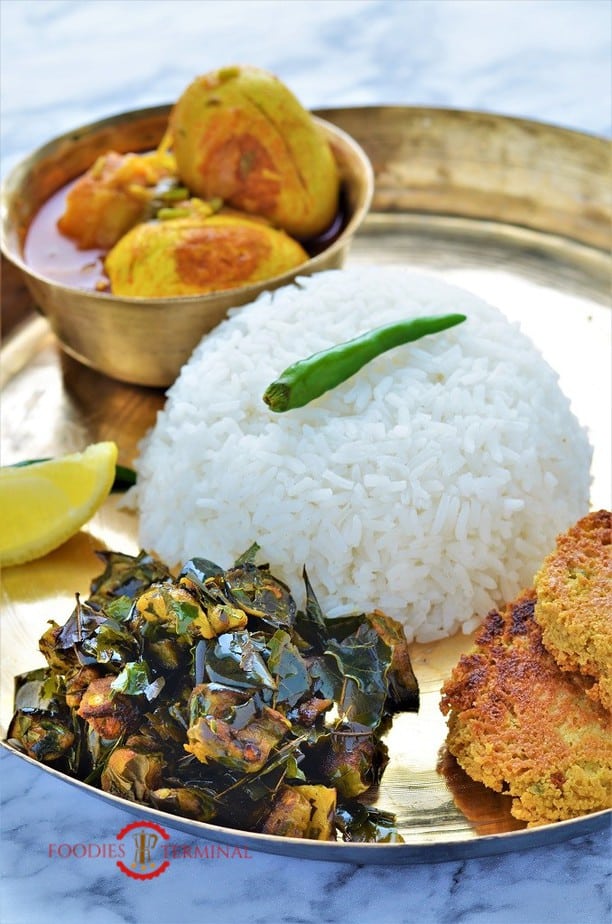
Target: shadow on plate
[(487, 811)]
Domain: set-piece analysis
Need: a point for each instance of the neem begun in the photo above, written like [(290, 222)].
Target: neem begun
[(309, 378)]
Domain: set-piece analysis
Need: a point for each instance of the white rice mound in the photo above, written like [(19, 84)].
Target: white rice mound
[(430, 485)]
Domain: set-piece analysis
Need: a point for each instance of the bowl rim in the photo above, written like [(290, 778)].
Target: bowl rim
[(133, 115)]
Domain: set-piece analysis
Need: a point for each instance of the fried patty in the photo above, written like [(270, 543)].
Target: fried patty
[(574, 605), (520, 725)]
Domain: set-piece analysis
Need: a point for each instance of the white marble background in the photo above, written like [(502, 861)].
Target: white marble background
[(67, 62)]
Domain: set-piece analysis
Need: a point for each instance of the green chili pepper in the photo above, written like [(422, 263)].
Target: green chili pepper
[(309, 378), (169, 212), (174, 194), (124, 477)]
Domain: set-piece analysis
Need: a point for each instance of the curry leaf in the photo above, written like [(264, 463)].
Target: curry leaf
[(311, 624), (328, 677), (247, 557), (289, 668), (135, 680), (111, 643), (184, 613), (126, 575), (236, 659), (39, 690), (199, 570), (359, 823), (363, 660), (119, 608)]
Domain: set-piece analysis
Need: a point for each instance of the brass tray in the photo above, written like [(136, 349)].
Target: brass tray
[(516, 211)]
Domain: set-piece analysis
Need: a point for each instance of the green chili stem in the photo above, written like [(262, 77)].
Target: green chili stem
[(309, 378)]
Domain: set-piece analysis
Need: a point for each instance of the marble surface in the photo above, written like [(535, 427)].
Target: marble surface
[(66, 63)]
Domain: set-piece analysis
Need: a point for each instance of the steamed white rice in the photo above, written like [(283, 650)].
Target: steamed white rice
[(430, 485)]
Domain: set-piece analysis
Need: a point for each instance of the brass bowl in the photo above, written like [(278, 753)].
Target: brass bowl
[(146, 341)]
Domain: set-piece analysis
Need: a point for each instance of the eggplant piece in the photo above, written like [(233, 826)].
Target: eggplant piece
[(309, 711), (62, 646), (290, 815), (257, 592), (132, 773), (166, 655), (110, 714), (242, 800), (219, 619), (45, 737), (89, 636), (247, 749), (349, 761), (303, 811), (169, 606), (188, 802), (215, 700), (351, 758), (204, 579), (77, 681), (176, 607), (246, 586), (42, 725), (238, 735), (323, 801)]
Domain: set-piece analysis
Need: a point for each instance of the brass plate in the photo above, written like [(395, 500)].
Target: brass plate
[(515, 211)]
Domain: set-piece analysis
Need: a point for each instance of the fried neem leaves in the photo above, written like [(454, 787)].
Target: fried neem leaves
[(210, 695)]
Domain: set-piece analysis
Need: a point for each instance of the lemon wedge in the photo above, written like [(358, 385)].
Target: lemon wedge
[(44, 504)]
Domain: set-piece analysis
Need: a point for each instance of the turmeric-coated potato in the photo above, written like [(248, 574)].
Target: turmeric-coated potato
[(193, 256), (240, 134), (112, 197)]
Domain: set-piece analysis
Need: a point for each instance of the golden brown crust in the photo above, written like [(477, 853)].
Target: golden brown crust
[(520, 725), (574, 602)]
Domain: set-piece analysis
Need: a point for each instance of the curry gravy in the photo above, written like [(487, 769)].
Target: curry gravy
[(53, 255)]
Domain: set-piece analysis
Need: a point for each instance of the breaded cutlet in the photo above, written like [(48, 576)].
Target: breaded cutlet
[(574, 605), (520, 725)]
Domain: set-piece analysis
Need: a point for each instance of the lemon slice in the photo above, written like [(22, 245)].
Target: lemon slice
[(44, 504)]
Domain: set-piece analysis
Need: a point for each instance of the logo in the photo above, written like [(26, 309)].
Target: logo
[(143, 850), (148, 860)]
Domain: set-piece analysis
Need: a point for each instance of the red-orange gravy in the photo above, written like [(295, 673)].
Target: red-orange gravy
[(49, 252), (53, 255)]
